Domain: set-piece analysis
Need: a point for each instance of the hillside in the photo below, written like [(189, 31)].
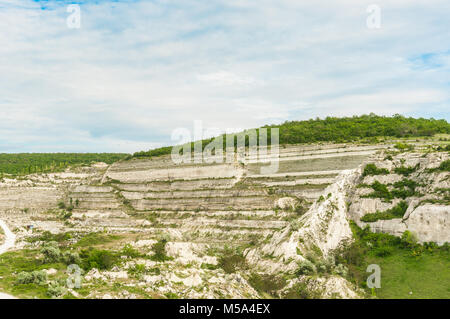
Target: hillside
[(146, 227), (366, 128)]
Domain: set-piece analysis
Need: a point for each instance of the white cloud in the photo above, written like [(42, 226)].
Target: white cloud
[(137, 70)]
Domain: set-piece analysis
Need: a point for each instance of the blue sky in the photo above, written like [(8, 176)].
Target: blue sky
[(136, 69)]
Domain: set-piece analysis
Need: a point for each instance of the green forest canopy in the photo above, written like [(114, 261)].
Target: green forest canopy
[(29, 163), (344, 129)]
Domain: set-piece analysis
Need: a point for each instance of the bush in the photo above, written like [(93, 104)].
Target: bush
[(409, 240), (352, 253), (383, 251), (396, 212), (230, 263), (266, 283), (159, 250), (306, 268), (130, 251), (372, 169), (445, 166), (138, 270), (37, 277), (380, 191), (96, 258), (70, 258), (301, 291), (55, 289), (341, 270), (405, 171), (51, 252), (404, 147)]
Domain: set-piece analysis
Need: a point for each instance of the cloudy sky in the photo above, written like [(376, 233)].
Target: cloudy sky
[(136, 70)]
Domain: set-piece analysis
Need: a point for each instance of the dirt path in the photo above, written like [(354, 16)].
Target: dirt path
[(10, 240)]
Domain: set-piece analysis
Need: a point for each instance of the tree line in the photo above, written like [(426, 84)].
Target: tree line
[(340, 130), (29, 163)]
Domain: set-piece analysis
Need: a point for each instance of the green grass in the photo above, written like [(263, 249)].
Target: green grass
[(405, 265), (427, 276), (92, 239), (12, 263)]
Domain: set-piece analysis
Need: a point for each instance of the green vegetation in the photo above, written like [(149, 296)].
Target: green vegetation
[(266, 283), (301, 291), (395, 212), (96, 238), (346, 129), (98, 258), (403, 147), (372, 169), (445, 166), (231, 262), (22, 274), (29, 163), (402, 189), (405, 171), (406, 266), (159, 250)]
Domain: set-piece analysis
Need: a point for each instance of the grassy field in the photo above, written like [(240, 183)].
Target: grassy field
[(408, 269), (404, 276), (14, 262)]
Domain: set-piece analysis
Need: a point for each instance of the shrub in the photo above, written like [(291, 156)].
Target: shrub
[(409, 240), (404, 147), (51, 252), (341, 270), (230, 263), (372, 169), (380, 191), (96, 258), (137, 270), (266, 283), (159, 250), (396, 212), (70, 258), (209, 266), (66, 215), (405, 171), (301, 291), (37, 277), (305, 268), (130, 251), (350, 254), (55, 290), (445, 166), (383, 251)]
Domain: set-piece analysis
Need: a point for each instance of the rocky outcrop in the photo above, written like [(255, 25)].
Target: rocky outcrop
[(428, 206)]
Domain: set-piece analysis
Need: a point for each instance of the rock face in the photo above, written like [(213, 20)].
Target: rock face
[(320, 231), (428, 206), (285, 217)]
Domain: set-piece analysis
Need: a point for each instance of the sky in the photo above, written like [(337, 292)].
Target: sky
[(136, 70)]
